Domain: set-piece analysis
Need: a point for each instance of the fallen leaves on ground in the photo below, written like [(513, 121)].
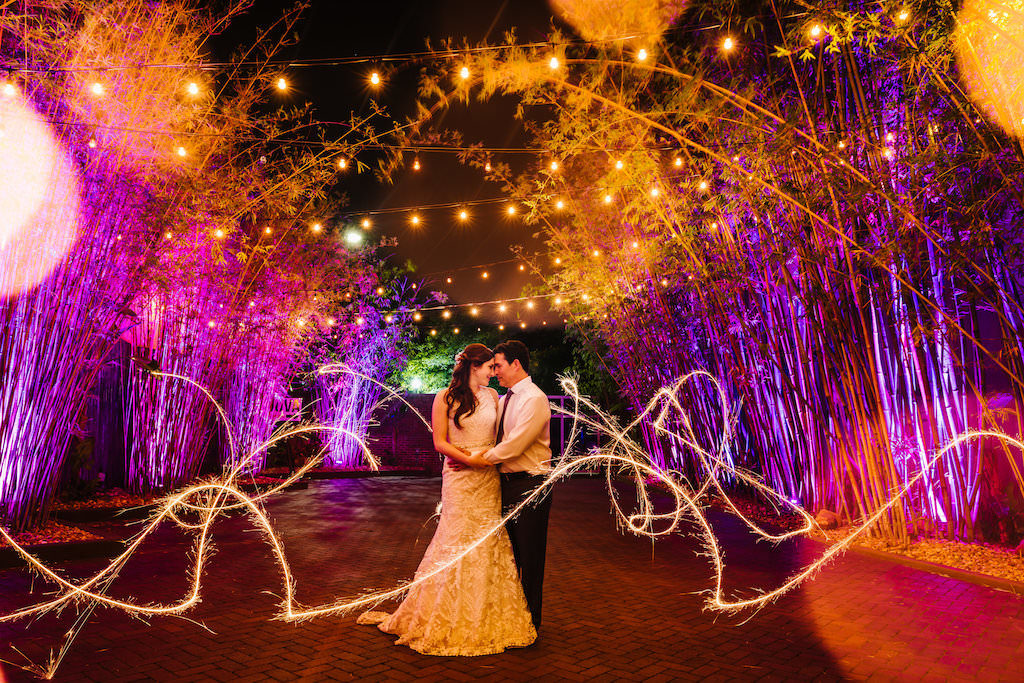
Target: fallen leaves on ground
[(53, 532)]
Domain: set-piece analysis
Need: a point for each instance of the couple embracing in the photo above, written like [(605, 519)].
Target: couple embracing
[(497, 453)]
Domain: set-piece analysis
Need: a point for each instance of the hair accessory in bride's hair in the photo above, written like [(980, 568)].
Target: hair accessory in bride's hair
[(459, 357)]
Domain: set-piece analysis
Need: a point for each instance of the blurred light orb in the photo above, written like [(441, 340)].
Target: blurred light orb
[(626, 20), (39, 198), (990, 56)]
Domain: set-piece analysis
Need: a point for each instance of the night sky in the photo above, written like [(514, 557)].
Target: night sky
[(442, 246)]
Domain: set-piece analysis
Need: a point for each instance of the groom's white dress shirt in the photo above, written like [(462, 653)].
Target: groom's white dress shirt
[(526, 444)]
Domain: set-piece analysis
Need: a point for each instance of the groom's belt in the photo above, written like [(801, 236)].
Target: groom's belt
[(513, 476)]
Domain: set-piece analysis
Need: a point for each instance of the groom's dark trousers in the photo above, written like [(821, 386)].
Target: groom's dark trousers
[(528, 531)]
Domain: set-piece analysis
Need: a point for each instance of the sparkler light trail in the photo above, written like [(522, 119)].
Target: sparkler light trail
[(208, 500)]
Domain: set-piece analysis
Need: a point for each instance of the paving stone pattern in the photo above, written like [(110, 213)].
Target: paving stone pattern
[(617, 607)]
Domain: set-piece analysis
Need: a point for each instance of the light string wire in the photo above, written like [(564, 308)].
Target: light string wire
[(621, 455)]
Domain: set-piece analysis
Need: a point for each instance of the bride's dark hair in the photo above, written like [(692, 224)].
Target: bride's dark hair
[(460, 397)]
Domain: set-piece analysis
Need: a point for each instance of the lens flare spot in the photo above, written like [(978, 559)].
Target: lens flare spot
[(990, 54), (39, 198)]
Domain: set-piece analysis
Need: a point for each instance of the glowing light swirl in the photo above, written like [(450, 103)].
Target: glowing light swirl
[(210, 499)]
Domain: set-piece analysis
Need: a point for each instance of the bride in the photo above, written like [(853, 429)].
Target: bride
[(476, 606)]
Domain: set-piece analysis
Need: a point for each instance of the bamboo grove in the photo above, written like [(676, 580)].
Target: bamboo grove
[(802, 199), (182, 241)]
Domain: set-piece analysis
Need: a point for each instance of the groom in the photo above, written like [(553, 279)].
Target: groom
[(522, 455)]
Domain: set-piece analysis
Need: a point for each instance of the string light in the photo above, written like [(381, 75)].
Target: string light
[(389, 318), (267, 230), (553, 165), (282, 84), (446, 314), (218, 233), (92, 143), (97, 89), (522, 325), (474, 311), (343, 163), (703, 185), (182, 151), (317, 227), (553, 63), (511, 210), (529, 304), (559, 205), (375, 78), (192, 88), (641, 55), (608, 198), (360, 321), (654, 192), (380, 291), (487, 167), (9, 89), (463, 215), (448, 280), (485, 275), (366, 224), (416, 164), (521, 267), (415, 219), (417, 316), (501, 326), (678, 162), (728, 44), (902, 16), (455, 331), (618, 165), (464, 72), (353, 238), (433, 333), (815, 31), (502, 308), (168, 235)]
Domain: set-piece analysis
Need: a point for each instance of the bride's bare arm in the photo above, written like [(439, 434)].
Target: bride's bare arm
[(439, 426)]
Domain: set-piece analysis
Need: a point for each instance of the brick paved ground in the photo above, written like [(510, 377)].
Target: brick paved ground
[(616, 607)]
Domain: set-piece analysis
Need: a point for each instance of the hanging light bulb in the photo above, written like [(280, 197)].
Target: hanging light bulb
[(342, 163), (282, 84), (464, 72), (182, 151), (641, 55), (375, 78), (416, 164), (415, 219), (97, 89), (553, 165), (553, 63), (559, 205), (728, 44), (10, 90), (511, 210)]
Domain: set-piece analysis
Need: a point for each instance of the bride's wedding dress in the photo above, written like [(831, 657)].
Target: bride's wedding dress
[(476, 606)]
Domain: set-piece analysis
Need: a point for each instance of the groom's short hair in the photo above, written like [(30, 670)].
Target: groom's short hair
[(514, 349)]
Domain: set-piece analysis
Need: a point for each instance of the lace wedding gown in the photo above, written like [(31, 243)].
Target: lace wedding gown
[(476, 606)]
